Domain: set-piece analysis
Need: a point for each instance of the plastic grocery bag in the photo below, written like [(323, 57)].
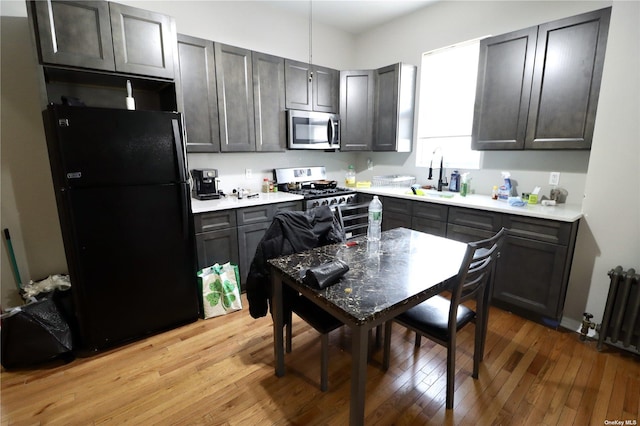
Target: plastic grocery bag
[(220, 288), (34, 333)]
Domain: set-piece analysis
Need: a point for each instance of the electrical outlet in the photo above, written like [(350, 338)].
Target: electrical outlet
[(247, 173), (554, 178)]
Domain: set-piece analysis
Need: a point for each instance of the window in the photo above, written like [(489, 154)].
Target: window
[(447, 96)]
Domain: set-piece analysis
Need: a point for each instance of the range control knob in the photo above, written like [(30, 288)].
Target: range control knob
[(333, 201), (324, 202), (315, 204), (341, 200)]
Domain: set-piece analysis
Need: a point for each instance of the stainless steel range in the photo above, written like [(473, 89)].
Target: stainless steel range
[(312, 184)]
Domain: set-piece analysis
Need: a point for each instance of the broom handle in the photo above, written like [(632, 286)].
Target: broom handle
[(14, 264)]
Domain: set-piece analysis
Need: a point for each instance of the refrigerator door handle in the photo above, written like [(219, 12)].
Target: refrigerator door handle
[(177, 138), (184, 195)]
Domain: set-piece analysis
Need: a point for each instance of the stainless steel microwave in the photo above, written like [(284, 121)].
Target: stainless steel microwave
[(312, 130)]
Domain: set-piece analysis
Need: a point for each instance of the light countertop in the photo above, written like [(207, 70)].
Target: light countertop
[(560, 212), (232, 202)]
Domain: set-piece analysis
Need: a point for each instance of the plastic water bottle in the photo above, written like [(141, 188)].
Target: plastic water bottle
[(375, 219)]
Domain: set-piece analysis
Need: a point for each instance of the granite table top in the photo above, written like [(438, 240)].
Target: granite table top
[(404, 268)]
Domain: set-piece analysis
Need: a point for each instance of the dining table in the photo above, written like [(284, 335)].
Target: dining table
[(385, 278)]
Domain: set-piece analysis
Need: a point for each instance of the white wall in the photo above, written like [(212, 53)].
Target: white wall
[(609, 234)]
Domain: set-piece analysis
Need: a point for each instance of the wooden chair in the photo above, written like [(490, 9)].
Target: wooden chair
[(322, 322), (354, 219), (439, 318)]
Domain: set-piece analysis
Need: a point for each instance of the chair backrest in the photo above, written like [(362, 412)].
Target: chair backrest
[(476, 271), (353, 219)]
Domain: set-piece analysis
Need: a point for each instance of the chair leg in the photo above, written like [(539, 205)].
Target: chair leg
[(418, 339), (288, 320), (478, 347), (451, 372), (477, 351), (324, 362), (386, 354)]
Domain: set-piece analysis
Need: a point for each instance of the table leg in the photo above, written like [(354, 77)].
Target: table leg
[(359, 352), (278, 320)]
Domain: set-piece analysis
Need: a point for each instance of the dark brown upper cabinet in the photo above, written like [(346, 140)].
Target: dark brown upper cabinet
[(394, 107), (311, 87), (269, 104), (197, 93), (356, 110), (143, 41), (503, 90), (234, 79), (105, 36), (566, 81), (74, 33), (538, 88)]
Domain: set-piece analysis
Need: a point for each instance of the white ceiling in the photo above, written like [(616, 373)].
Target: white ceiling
[(352, 16)]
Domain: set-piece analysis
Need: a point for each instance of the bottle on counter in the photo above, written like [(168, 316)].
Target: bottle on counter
[(265, 185), (454, 183), (494, 192), (350, 178), (375, 219)]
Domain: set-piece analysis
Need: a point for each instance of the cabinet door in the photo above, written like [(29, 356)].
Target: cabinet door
[(325, 89), (356, 110), (198, 97), (394, 108), (217, 247), (287, 206), (75, 33), (566, 81), (298, 92), (391, 220), (143, 41), (479, 219), (467, 234), (249, 237), (255, 214), (430, 218), (214, 221), (503, 91), (234, 78), (529, 279), (386, 108), (268, 98), (430, 226)]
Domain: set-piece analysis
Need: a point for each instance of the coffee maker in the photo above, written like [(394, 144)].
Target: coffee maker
[(205, 184)]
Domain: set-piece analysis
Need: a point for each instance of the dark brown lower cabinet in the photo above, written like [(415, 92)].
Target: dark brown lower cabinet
[(233, 235), (532, 273), (529, 279), (216, 238)]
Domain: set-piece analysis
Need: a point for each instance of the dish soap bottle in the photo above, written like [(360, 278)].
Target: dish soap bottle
[(350, 178)]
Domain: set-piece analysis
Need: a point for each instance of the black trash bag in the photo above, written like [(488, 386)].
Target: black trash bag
[(33, 334)]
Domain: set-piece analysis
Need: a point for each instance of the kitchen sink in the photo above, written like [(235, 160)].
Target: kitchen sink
[(432, 193)]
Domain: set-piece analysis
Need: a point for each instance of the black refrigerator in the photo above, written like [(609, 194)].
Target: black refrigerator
[(123, 201)]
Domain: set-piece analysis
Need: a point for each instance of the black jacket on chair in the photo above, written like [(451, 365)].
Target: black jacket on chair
[(290, 232)]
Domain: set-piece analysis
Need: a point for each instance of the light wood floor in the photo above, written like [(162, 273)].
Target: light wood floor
[(220, 372)]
